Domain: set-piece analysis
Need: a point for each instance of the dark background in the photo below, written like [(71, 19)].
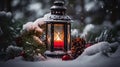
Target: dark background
[(102, 13)]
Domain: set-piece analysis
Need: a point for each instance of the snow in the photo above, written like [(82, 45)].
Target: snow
[(107, 24), (35, 6), (93, 5), (96, 60), (88, 28), (74, 32), (114, 45), (39, 57), (39, 21), (99, 47), (13, 51), (4, 14), (18, 15), (31, 26), (28, 26), (15, 2), (88, 20), (89, 6)]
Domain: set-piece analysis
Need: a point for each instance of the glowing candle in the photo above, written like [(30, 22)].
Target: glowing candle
[(58, 43)]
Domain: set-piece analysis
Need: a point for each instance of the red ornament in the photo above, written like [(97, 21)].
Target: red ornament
[(66, 57)]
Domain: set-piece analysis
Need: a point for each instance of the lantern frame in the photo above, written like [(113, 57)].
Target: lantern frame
[(58, 16), (66, 29)]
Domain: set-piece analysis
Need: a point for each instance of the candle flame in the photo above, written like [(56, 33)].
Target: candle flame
[(58, 37), (58, 42)]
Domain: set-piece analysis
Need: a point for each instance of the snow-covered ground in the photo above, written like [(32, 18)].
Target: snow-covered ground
[(94, 56)]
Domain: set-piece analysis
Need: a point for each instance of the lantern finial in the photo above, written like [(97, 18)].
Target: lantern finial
[(58, 8)]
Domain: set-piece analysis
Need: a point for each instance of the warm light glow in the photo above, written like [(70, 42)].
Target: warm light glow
[(58, 42), (58, 37)]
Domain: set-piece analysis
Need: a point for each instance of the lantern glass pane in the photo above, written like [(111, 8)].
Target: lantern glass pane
[(58, 36), (49, 36), (69, 36)]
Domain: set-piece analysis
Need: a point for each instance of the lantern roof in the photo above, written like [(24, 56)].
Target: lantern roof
[(58, 13), (58, 5)]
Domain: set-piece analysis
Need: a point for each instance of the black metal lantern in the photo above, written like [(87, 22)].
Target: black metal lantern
[(58, 29)]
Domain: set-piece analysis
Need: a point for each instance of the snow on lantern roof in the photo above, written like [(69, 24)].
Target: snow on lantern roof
[(58, 13), (57, 18)]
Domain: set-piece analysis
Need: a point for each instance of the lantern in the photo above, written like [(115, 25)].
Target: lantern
[(58, 30)]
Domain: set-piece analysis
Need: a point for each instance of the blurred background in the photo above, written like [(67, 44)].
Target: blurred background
[(94, 20), (85, 11)]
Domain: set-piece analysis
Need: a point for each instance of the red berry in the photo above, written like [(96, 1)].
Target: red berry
[(66, 57)]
